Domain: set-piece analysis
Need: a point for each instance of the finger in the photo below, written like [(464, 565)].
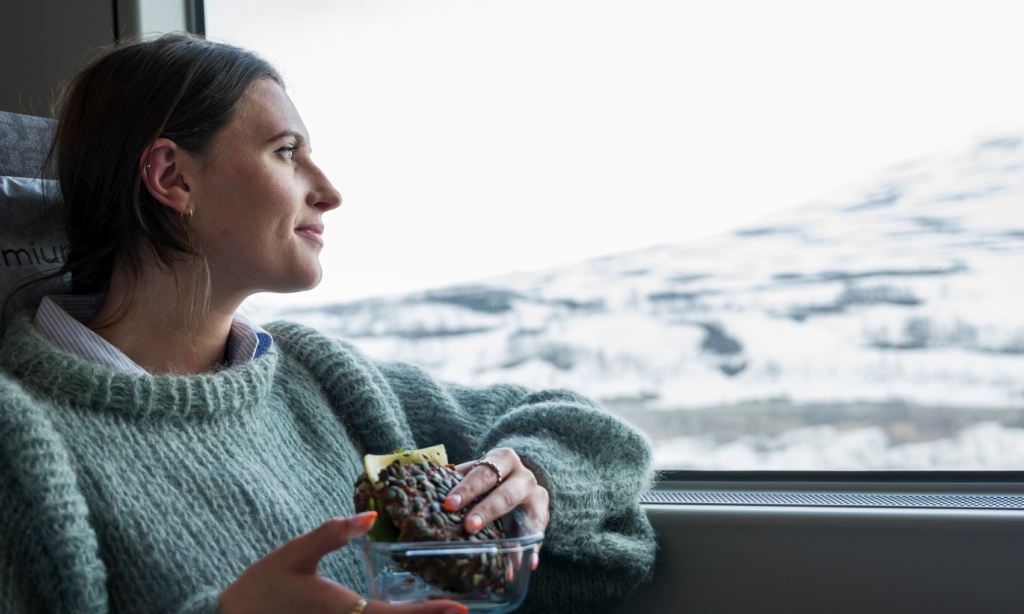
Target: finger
[(479, 480), (304, 552), (499, 502), (430, 607), (536, 505)]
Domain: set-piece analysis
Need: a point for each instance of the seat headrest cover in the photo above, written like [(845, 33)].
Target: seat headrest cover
[(31, 241), (24, 143)]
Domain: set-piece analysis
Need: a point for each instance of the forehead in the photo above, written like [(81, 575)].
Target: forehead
[(265, 111)]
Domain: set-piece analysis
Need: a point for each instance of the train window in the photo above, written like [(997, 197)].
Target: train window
[(775, 235)]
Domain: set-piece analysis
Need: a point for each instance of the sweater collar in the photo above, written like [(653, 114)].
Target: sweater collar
[(67, 379)]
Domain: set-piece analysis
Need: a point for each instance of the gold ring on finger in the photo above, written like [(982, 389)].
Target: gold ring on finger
[(491, 465), (359, 606)]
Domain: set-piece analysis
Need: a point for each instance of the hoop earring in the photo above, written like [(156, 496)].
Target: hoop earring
[(189, 216)]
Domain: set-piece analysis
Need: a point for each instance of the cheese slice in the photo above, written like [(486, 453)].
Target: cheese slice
[(375, 463)]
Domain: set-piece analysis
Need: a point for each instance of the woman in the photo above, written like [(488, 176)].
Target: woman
[(160, 453)]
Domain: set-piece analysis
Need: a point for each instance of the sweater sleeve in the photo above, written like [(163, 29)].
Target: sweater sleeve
[(598, 544), (49, 553), (50, 560), (16, 591)]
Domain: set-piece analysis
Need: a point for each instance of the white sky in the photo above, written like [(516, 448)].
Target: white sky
[(476, 137)]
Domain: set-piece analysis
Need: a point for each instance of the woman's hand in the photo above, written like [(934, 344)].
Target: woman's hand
[(518, 486), (287, 579)]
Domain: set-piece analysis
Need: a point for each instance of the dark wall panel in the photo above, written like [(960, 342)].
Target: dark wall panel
[(749, 560), (41, 42)]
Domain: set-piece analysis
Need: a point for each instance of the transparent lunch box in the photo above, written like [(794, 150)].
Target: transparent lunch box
[(503, 566)]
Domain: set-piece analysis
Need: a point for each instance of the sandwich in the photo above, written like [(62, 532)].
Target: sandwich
[(407, 489)]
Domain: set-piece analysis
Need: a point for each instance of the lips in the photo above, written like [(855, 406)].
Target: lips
[(312, 232)]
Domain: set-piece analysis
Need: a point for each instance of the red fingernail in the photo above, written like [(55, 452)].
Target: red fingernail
[(534, 561), (453, 502), (474, 523), (366, 518), (459, 609)]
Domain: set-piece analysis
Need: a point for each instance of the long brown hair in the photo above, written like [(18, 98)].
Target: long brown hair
[(180, 87)]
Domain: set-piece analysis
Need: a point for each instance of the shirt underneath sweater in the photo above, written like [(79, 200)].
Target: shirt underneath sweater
[(129, 493), (64, 320)]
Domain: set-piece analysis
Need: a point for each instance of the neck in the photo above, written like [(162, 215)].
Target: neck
[(161, 326)]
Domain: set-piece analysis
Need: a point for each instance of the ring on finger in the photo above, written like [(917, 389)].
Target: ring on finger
[(358, 607), (484, 461)]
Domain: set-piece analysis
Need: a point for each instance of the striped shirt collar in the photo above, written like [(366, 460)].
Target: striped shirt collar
[(62, 320)]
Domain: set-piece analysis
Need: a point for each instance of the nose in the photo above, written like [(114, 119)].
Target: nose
[(323, 196)]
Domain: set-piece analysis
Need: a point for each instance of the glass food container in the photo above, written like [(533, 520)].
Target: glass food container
[(492, 574)]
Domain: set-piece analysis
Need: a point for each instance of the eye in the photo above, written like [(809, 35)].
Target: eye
[(288, 152)]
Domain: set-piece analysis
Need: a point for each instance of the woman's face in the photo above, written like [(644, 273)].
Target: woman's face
[(259, 200)]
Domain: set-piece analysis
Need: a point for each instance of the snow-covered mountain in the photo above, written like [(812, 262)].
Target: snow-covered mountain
[(906, 287)]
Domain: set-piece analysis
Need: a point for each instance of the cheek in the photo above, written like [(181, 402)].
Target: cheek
[(252, 212), (252, 217)]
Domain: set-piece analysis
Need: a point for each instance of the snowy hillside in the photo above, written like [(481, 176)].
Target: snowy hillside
[(877, 328), (906, 287)]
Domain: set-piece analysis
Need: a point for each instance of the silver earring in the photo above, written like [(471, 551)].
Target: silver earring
[(147, 166)]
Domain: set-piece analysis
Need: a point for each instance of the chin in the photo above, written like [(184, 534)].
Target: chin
[(311, 279), (299, 281)]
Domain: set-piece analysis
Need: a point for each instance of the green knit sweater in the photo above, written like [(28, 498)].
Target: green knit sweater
[(123, 493)]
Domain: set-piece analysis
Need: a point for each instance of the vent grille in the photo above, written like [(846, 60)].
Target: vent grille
[(987, 502)]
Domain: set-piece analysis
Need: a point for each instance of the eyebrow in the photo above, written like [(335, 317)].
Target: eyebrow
[(298, 137)]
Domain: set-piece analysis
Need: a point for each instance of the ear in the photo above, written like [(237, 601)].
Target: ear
[(167, 171)]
